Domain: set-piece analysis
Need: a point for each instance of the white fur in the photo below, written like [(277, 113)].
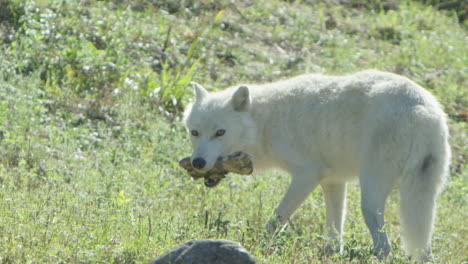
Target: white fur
[(378, 127)]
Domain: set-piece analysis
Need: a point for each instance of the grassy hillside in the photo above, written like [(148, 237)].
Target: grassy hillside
[(90, 99)]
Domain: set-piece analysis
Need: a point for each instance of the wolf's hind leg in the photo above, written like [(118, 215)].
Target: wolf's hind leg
[(374, 192)]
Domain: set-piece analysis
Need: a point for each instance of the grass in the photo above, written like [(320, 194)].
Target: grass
[(90, 134)]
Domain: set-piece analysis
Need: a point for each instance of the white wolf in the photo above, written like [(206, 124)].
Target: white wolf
[(378, 127)]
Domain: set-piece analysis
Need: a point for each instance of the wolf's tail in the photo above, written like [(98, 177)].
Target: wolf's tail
[(423, 178)]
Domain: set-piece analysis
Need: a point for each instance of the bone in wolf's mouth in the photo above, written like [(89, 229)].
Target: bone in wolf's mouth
[(238, 162)]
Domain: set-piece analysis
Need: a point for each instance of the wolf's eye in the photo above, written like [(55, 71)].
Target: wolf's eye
[(220, 132), (194, 133)]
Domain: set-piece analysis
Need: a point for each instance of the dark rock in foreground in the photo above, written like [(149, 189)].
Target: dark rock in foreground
[(206, 252)]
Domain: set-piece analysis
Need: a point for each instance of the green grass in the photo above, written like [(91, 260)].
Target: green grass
[(90, 133)]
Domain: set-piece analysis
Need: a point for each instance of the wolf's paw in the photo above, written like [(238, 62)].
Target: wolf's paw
[(271, 226), (331, 248), (382, 250), (275, 225), (424, 257)]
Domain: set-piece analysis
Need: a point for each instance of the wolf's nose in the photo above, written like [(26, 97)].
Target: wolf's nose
[(198, 163)]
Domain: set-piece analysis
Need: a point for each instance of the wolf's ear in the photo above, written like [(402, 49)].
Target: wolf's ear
[(241, 99), (200, 92)]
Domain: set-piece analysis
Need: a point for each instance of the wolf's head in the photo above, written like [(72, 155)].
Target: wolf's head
[(218, 124)]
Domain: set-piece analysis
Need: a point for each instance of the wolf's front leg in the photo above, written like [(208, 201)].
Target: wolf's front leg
[(335, 201), (302, 184)]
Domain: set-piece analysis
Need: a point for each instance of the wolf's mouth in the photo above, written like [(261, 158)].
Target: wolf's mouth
[(210, 182)]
